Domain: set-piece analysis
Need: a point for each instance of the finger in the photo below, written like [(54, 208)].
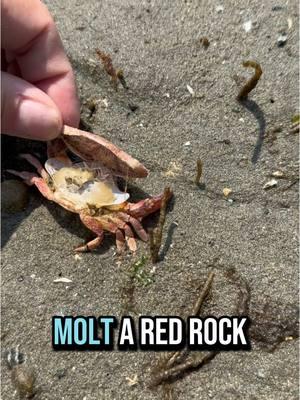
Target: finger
[(36, 47), (27, 111)]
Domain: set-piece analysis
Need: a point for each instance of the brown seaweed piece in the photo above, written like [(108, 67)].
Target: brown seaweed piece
[(199, 171), (155, 235), (252, 82), (108, 66), (174, 365)]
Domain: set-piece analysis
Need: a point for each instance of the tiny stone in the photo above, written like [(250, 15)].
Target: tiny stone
[(61, 373), (191, 90), (272, 183), (227, 192), (133, 107), (277, 8), (247, 26), (281, 40), (260, 374), (278, 174)]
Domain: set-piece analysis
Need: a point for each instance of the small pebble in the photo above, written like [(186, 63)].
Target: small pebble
[(247, 26), (278, 174), (260, 374), (277, 8), (219, 9), (132, 107), (281, 40), (61, 373), (187, 143), (272, 183), (191, 90), (227, 192)]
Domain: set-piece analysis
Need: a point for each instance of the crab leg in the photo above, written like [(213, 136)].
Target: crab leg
[(120, 241), (26, 176), (97, 225), (32, 179), (136, 225), (129, 235), (144, 207), (110, 224), (36, 163), (92, 245)]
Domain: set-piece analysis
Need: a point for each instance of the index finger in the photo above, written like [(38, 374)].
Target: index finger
[(30, 37)]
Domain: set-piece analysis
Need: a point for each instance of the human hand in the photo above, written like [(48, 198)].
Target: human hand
[(38, 93)]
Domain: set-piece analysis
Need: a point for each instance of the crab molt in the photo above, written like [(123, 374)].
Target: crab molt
[(89, 189)]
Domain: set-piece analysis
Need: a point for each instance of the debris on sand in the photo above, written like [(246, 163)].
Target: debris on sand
[(116, 75), (205, 42), (270, 184), (120, 75), (155, 235), (296, 119), (176, 364), (227, 191), (108, 66), (282, 39), (295, 124), (190, 90), (247, 26), (278, 174), (294, 128), (219, 9), (133, 107), (62, 280), (132, 381), (199, 171), (252, 82), (290, 23), (92, 106), (173, 170), (22, 376)]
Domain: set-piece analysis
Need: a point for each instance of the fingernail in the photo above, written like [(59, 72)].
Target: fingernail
[(38, 120)]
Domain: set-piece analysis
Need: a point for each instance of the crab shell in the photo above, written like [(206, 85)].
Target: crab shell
[(91, 147)]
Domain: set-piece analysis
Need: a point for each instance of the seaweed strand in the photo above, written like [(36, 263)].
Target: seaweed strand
[(199, 171), (155, 235), (252, 82)]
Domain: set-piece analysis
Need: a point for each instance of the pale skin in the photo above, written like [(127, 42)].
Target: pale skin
[(38, 93)]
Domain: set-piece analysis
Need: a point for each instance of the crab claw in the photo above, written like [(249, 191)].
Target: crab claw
[(92, 147)]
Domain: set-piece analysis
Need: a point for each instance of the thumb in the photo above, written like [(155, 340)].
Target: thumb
[(27, 111)]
